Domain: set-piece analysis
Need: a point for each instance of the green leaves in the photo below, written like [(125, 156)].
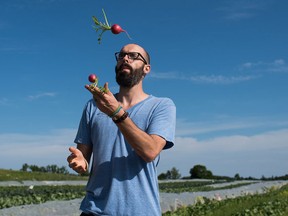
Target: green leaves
[(21, 195), (271, 203), (101, 26)]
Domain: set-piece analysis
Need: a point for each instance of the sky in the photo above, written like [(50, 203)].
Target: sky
[(224, 64)]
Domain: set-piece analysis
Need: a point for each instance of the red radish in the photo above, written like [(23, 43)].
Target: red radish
[(115, 29), (92, 78)]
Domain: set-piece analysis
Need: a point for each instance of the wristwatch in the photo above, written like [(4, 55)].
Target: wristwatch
[(121, 118)]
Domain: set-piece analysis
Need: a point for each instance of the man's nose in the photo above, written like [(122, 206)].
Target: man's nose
[(126, 58)]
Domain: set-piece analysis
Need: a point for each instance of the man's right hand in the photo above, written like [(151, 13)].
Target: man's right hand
[(76, 160)]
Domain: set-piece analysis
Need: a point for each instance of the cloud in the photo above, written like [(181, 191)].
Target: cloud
[(236, 143), (243, 9), (220, 79), (253, 155), (41, 95), (277, 66), (227, 147), (239, 15), (258, 68), (185, 128), (249, 155), (206, 79), (40, 149)]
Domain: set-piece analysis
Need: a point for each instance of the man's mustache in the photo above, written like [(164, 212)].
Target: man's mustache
[(125, 65)]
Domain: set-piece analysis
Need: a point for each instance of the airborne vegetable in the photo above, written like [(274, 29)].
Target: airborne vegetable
[(115, 29)]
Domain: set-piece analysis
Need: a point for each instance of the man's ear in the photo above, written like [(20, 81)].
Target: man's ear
[(147, 69)]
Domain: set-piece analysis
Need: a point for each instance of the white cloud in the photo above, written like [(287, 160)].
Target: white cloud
[(186, 128), (255, 155), (250, 155), (278, 65), (239, 10), (220, 79), (258, 69), (41, 95), (222, 148), (210, 79), (43, 149), (279, 62), (239, 15)]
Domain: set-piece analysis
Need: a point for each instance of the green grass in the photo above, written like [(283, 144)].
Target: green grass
[(14, 175)]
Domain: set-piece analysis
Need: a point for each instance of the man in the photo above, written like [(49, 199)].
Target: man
[(125, 134)]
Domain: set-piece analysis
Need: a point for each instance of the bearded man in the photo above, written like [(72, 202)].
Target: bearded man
[(122, 135)]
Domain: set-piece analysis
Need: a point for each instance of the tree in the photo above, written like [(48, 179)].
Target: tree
[(25, 167), (170, 174), (34, 168), (237, 176), (200, 171), (162, 176), (175, 174)]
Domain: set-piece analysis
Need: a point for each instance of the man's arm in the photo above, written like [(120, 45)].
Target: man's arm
[(145, 145)]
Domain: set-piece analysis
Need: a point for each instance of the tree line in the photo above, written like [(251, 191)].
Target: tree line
[(47, 169), (201, 172), (197, 172)]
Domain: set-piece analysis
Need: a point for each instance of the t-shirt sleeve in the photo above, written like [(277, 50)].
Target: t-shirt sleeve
[(163, 121), (83, 135)]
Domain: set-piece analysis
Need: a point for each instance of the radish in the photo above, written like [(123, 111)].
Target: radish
[(115, 29), (92, 78), (94, 83)]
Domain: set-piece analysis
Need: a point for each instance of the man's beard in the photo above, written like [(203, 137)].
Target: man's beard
[(128, 80)]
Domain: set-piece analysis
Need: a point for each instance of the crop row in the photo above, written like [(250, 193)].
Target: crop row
[(20, 195), (274, 202), (194, 186)]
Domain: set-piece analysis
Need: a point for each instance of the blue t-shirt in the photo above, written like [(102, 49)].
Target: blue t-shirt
[(121, 182)]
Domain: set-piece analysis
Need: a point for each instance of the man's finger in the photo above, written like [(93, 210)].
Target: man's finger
[(106, 89), (74, 151)]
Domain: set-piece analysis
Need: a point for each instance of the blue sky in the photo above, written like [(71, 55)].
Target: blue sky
[(224, 63)]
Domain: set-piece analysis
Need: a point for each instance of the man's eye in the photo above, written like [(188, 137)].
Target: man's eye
[(122, 55), (133, 55)]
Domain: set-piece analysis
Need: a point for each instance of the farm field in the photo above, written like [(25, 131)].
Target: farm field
[(257, 199), (24, 193), (206, 197)]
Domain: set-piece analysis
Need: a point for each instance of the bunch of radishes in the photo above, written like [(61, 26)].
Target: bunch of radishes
[(115, 29)]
